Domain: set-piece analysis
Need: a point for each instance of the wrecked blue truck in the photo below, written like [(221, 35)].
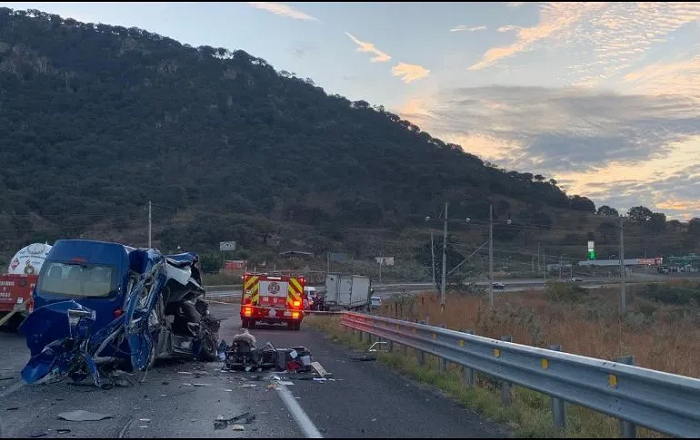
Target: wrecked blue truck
[(101, 305)]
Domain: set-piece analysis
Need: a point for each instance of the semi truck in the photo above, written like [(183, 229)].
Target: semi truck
[(348, 292)]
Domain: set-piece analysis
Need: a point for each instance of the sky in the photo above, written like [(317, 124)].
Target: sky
[(602, 97)]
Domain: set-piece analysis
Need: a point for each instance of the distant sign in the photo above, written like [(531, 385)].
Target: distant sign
[(385, 261), (591, 246), (227, 246), (337, 257), (236, 264)]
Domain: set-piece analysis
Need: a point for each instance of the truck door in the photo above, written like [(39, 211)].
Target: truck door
[(273, 293)]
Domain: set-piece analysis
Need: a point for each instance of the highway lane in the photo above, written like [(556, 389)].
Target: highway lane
[(364, 400)]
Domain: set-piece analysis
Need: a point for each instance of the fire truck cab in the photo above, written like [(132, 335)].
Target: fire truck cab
[(272, 300)]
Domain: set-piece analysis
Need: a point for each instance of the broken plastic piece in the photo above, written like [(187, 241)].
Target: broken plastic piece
[(238, 428)]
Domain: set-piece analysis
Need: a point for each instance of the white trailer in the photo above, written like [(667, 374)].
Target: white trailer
[(347, 291)]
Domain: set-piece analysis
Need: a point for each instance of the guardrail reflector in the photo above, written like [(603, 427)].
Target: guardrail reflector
[(434, 336), (497, 352), (612, 380), (398, 326), (545, 364), (461, 343), (413, 330)]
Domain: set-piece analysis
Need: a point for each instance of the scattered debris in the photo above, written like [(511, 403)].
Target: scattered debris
[(201, 384), (63, 431), (229, 391), (238, 428), (286, 383), (6, 378), (319, 369), (248, 385), (145, 420), (37, 434), (14, 408), (80, 415), (221, 422), (364, 357)]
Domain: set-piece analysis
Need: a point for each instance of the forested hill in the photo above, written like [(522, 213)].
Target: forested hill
[(97, 119)]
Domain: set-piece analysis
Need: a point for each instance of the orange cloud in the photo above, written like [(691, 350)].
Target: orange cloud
[(370, 48), (409, 72)]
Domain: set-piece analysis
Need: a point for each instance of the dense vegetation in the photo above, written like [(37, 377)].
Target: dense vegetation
[(97, 120)]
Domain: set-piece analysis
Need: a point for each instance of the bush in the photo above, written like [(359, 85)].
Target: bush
[(563, 292)]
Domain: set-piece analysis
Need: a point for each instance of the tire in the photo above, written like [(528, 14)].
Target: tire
[(251, 324), (293, 325), (208, 351), (245, 323)]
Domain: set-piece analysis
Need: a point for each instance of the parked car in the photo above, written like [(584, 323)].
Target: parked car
[(499, 285), (375, 301)]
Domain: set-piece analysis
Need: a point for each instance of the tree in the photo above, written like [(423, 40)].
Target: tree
[(607, 211), (657, 222), (608, 232), (582, 204), (694, 227), (210, 262), (639, 214), (424, 256)]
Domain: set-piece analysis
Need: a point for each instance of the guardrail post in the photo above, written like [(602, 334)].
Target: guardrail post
[(627, 429), (359, 335), (442, 362), (468, 372), (420, 355), (506, 396), (558, 405)]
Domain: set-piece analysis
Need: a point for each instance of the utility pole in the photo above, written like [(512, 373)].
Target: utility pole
[(544, 264), (381, 262), (328, 263), (149, 223), (623, 299), (571, 266), (432, 251), (491, 255), (444, 264), (560, 263), (539, 269)]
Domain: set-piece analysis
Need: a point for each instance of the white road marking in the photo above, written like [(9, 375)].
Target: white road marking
[(303, 421)]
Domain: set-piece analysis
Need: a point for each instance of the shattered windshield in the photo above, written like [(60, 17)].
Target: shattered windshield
[(77, 280)]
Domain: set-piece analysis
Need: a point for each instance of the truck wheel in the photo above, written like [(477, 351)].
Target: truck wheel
[(251, 323), (245, 323), (292, 325), (208, 351)]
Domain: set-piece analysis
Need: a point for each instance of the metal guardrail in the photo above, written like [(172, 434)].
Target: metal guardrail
[(664, 402)]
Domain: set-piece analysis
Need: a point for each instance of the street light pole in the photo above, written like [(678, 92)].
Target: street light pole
[(432, 251), (444, 264), (491, 255), (149, 223)]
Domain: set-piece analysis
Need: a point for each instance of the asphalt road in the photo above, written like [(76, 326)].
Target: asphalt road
[(364, 400)]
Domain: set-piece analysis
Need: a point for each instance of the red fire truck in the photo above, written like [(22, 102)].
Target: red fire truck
[(273, 300)]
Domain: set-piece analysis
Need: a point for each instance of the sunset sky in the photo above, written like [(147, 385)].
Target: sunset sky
[(603, 97)]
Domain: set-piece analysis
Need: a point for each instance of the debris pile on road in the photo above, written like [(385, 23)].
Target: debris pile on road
[(243, 354)]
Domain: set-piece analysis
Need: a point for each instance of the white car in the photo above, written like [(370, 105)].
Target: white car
[(499, 285), (375, 302)]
